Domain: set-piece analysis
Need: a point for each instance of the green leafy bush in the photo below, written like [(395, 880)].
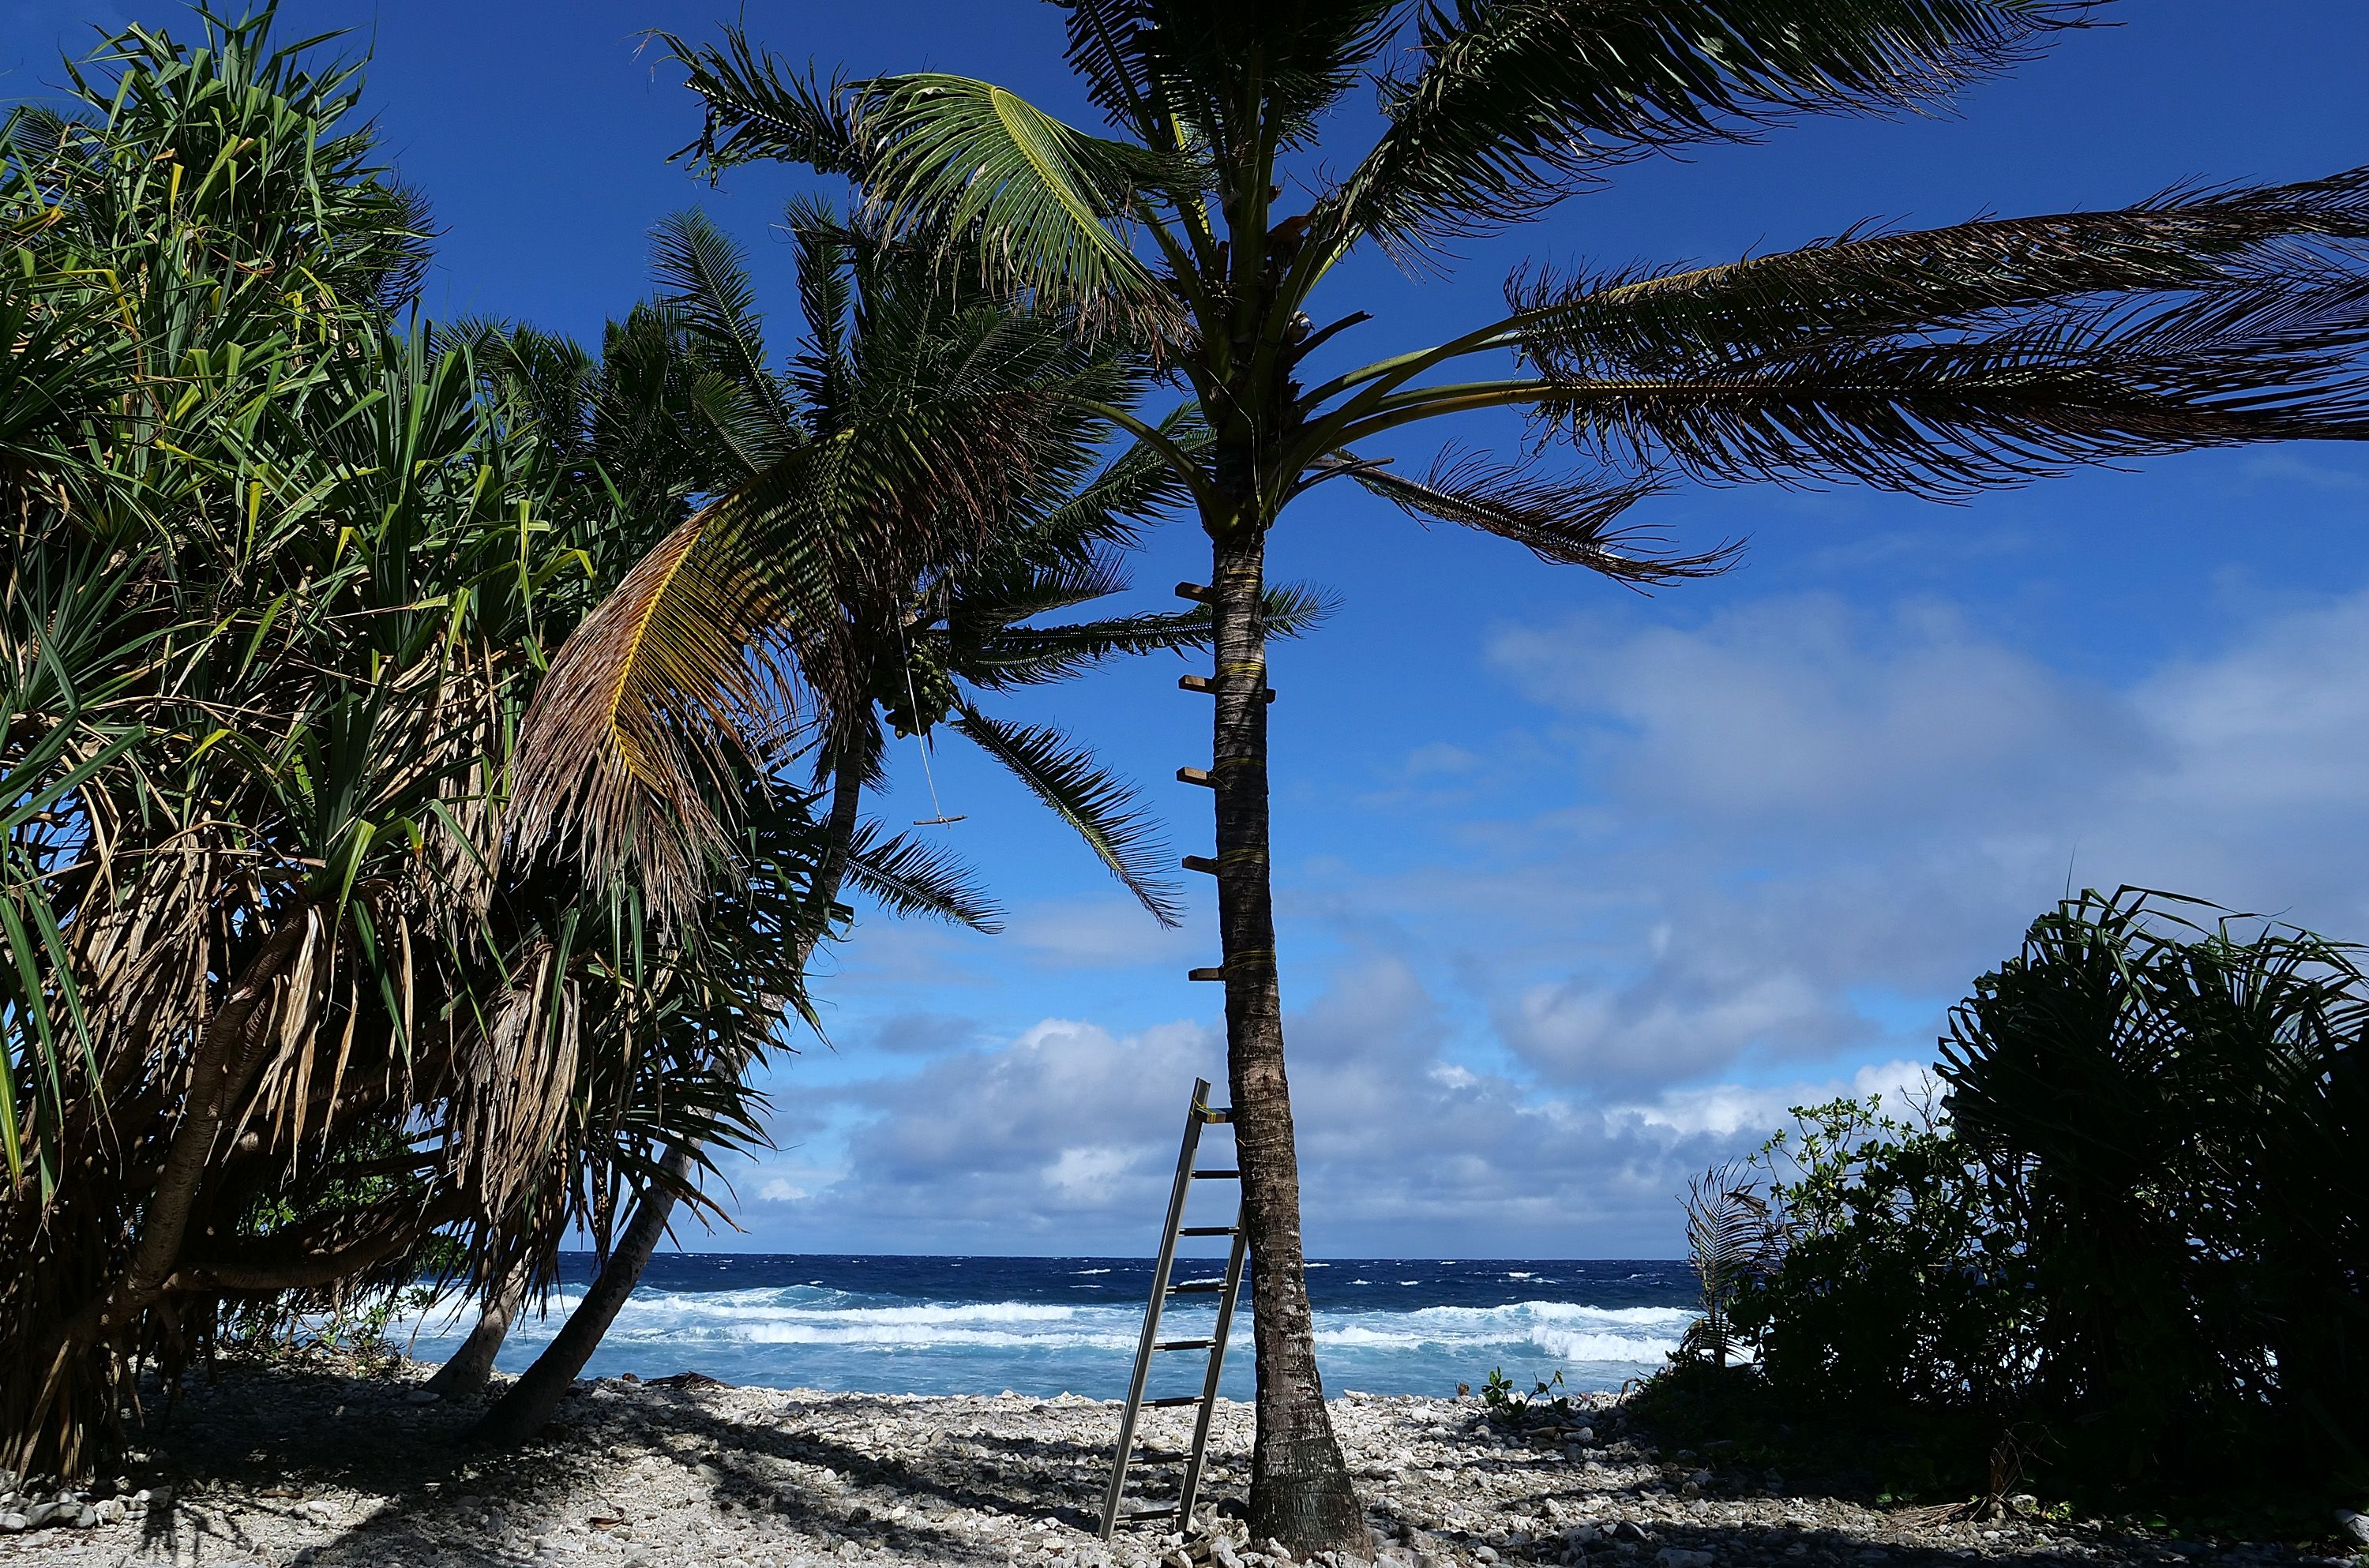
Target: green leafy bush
[(2127, 1247)]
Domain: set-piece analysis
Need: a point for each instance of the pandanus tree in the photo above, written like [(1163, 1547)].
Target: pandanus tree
[(896, 513), (1937, 363), (275, 1024)]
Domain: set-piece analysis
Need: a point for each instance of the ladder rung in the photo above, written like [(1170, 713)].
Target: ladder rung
[(1200, 862), (1205, 974), (1198, 1287), (1216, 1116), (1203, 684), (1161, 1512), (1195, 776), (1210, 1175), (1184, 1345), (1196, 592), (1172, 1402), (1206, 1230)]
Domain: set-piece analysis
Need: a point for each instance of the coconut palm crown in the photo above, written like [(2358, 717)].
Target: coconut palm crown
[(1937, 363), (891, 518)]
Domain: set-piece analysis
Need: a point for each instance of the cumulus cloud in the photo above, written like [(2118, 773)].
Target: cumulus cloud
[(1744, 864), (1834, 804)]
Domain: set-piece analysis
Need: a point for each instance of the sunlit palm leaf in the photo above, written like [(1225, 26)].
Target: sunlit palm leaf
[(1042, 202), (1098, 807)]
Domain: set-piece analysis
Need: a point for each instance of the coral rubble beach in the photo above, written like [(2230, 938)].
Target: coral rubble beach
[(281, 1467)]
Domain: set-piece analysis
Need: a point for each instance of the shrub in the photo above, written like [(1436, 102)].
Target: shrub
[(2130, 1243)]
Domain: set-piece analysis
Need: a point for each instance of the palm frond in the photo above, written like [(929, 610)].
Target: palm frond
[(759, 108), (1730, 1235), (1517, 100), (1943, 416), (1571, 522), (1226, 74), (825, 253), (916, 879), (1035, 201), (1099, 807), (1939, 278), (650, 707), (1029, 656), (1134, 489), (1112, 47), (705, 276)]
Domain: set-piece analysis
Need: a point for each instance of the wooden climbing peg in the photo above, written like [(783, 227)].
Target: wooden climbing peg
[(1195, 776), (1203, 684), (1196, 592), (1200, 862)]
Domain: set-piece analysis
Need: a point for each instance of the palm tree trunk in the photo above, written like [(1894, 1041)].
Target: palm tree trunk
[(1300, 1487), (464, 1376), (527, 1407)]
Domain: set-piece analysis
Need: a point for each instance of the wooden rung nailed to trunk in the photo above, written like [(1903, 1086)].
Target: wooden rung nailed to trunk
[(1195, 776), (1205, 974), (1196, 592), (1200, 862), (1203, 684)]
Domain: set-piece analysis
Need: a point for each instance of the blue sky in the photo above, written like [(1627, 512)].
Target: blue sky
[(1579, 889)]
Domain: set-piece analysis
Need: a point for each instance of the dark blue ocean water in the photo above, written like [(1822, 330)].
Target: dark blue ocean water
[(1045, 1326)]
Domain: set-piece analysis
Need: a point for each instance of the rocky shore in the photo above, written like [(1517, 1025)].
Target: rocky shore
[(276, 1468)]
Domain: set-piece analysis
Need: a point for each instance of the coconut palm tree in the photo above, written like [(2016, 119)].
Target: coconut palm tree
[(1938, 362), (925, 600)]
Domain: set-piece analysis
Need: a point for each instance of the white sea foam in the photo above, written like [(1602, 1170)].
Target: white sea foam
[(801, 1315), (809, 1334)]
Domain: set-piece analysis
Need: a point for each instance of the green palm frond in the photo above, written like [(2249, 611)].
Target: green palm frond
[(1029, 656), (826, 252), (1172, 71), (1098, 807), (1005, 590), (1037, 202), (760, 108), (1565, 522), (1515, 100), (916, 879), (705, 276), (1134, 489)]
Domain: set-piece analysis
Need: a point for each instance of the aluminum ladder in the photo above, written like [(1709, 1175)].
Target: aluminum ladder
[(1200, 1113)]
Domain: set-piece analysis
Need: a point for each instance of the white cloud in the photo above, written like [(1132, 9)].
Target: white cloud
[(1761, 856)]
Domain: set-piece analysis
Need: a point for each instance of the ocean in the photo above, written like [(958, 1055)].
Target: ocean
[(1046, 1326)]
